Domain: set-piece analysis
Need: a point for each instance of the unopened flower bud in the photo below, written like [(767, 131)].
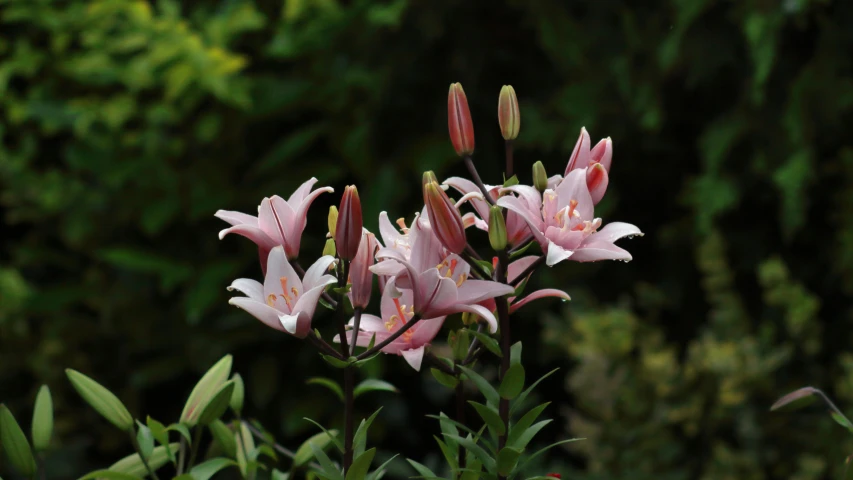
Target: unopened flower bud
[(596, 181), (602, 153), (329, 248), (540, 176), (445, 218), (361, 277), (429, 177), (497, 228), (239, 393), (459, 121), (349, 225), (509, 117), (333, 220)]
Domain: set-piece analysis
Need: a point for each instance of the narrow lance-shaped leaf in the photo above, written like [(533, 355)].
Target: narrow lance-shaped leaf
[(42, 427), (15, 443), (239, 394), (373, 385), (491, 417), (101, 399), (145, 439), (133, 465), (329, 384), (218, 404), (512, 383), (304, 453), (360, 466)]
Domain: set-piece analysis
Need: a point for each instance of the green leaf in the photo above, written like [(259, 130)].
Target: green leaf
[(483, 385), (209, 385), (459, 341), (159, 432), (42, 426), (360, 466), (145, 439), (517, 429), (224, 437), (487, 266), (473, 470), (477, 450), (489, 342), (332, 437), (246, 453), (549, 447), (101, 399), (512, 383), (239, 394), (305, 452), (507, 460), (182, 429), (515, 354), (359, 440), (796, 399), (109, 475), (521, 251), (450, 453), (279, 475), (218, 404), (337, 363), (520, 400), (330, 470), (206, 470), (373, 385), (15, 443), (377, 474), (491, 416), (448, 381), (445, 421), (421, 469), (511, 181), (841, 420), (364, 361), (328, 383), (519, 289), (132, 464), (527, 435)]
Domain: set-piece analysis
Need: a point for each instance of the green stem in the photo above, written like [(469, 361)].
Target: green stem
[(195, 446), (182, 453)]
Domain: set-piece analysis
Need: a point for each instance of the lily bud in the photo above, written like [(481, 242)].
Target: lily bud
[(580, 154), (329, 248), (596, 181), (602, 153), (497, 228), (540, 176), (509, 117), (429, 177), (445, 218), (360, 275), (349, 225), (459, 121), (333, 220)]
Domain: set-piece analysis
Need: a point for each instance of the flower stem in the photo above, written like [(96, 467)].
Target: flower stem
[(356, 324), (349, 406), (182, 454), (138, 449), (460, 417), (469, 164), (503, 319), (475, 267), (508, 173), (194, 450)]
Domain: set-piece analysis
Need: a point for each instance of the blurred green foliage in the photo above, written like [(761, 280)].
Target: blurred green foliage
[(125, 124)]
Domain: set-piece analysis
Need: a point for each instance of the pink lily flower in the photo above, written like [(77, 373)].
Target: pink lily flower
[(515, 269), (396, 311), (565, 226), (440, 287), (279, 222), (516, 228), (284, 302), (597, 160)]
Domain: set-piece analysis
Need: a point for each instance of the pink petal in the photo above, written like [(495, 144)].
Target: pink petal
[(270, 223), (261, 311), (602, 153), (548, 292), (254, 234), (580, 154), (370, 323), (307, 304), (596, 182), (316, 274), (279, 271), (236, 218), (391, 237), (534, 221), (414, 357), (595, 251), (475, 291), (298, 324), (300, 193), (556, 254), (251, 288), (518, 266), (433, 292), (300, 220), (614, 231), (426, 330), (574, 187), (482, 313), (465, 186), (554, 181)]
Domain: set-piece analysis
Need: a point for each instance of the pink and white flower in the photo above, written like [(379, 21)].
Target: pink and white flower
[(284, 301), (516, 228), (565, 226), (395, 312), (279, 221)]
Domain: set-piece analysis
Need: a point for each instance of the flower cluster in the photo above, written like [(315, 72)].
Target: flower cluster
[(426, 269)]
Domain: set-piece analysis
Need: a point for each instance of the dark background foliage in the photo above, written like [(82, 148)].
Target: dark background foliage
[(124, 125)]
